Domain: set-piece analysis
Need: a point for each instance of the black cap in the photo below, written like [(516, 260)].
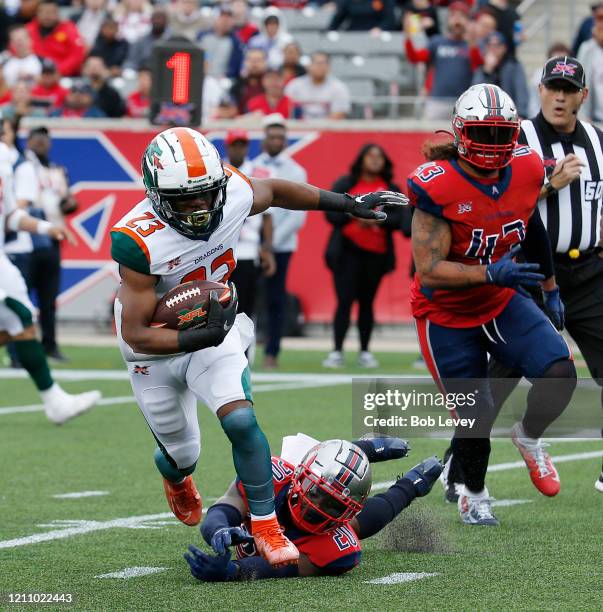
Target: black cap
[(48, 65), (564, 68), (81, 86)]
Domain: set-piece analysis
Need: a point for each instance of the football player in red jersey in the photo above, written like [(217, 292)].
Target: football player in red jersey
[(474, 204), (322, 504)]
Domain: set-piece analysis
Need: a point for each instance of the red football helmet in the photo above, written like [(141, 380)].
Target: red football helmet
[(486, 126), (329, 486)]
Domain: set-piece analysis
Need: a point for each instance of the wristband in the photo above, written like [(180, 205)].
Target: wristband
[(43, 228), (328, 200), (549, 189), (191, 340)]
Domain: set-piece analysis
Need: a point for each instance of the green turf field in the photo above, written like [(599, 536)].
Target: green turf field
[(546, 554)]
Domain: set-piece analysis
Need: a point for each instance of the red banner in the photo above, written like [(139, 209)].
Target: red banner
[(111, 184), (326, 159)]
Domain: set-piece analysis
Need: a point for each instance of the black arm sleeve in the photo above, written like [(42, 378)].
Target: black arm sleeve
[(217, 517), (339, 219), (537, 246), (382, 509)]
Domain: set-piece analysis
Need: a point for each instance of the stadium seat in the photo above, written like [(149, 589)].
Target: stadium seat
[(351, 43), (384, 68), (308, 19)]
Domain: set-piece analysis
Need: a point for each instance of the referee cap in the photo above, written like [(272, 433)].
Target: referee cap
[(564, 68)]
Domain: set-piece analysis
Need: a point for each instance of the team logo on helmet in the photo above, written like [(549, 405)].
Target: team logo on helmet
[(329, 486)]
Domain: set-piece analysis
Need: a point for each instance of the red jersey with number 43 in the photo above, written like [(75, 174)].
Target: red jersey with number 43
[(336, 552), (486, 217)]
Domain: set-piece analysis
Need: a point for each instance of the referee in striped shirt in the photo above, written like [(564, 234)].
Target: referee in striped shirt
[(570, 206)]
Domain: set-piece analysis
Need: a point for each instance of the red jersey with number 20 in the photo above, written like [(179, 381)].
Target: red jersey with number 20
[(336, 552), (486, 217)]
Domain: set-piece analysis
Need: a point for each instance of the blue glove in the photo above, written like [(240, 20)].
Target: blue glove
[(383, 448), (554, 307), (209, 568), (424, 475), (229, 536), (506, 273)]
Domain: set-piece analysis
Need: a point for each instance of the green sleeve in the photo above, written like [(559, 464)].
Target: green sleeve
[(126, 251)]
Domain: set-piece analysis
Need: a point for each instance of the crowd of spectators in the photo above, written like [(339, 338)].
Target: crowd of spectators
[(93, 58)]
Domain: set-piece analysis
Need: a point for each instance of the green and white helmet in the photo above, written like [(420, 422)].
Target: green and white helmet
[(180, 163)]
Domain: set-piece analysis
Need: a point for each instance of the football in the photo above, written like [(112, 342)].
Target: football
[(185, 306)]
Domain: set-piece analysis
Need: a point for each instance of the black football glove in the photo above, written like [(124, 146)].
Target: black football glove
[(363, 206), (424, 475), (220, 320)]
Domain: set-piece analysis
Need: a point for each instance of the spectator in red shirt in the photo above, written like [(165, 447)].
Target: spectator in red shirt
[(244, 29), (57, 40), (360, 252), (4, 90), (48, 92), (249, 84), (139, 102), (273, 100)]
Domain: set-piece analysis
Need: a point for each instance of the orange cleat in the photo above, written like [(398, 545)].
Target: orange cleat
[(272, 544), (542, 471), (184, 500)]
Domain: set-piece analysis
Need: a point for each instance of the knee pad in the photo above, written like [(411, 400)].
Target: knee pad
[(239, 424), (164, 410)]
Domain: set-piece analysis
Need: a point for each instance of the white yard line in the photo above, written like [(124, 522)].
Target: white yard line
[(400, 577), (282, 382), (505, 503), (514, 465), (84, 527), (105, 401), (12, 374), (501, 467), (133, 572), (79, 494)]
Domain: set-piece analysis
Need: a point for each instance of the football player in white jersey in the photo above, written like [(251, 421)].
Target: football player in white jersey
[(17, 313), (185, 229)]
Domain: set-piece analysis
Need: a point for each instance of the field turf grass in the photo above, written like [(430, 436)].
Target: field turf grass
[(547, 554)]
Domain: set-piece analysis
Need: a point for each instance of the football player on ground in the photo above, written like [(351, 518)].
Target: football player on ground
[(17, 313), (187, 228), (322, 503), (474, 211)]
